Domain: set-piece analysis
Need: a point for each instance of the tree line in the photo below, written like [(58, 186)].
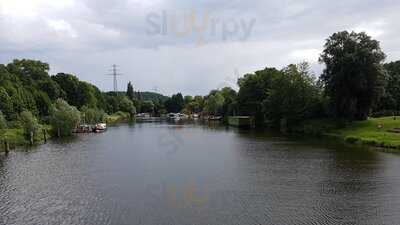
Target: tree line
[(355, 84)]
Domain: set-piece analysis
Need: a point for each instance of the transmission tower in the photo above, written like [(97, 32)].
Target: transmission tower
[(115, 74)]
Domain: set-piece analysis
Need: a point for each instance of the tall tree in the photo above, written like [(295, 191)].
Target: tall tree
[(390, 100), (353, 77), (175, 103), (129, 92), (293, 96), (253, 91)]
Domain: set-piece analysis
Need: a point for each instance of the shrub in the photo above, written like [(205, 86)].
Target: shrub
[(30, 124), (351, 139), (369, 141), (64, 118)]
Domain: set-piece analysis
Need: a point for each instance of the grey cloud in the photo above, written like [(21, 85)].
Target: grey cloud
[(88, 36)]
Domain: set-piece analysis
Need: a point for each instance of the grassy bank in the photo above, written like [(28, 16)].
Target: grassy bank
[(119, 117), (15, 137), (373, 132)]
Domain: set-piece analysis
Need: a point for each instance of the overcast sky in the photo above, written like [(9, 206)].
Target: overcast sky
[(186, 46)]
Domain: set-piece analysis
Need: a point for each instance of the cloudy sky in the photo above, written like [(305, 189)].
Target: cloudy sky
[(187, 46)]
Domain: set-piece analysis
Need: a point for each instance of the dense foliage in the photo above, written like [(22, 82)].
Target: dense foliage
[(64, 118), (354, 76), (354, 84)]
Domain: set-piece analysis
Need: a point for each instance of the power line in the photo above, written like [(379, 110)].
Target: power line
[(114, 73)]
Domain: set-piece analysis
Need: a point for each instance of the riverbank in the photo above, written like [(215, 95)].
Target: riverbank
[(376, 132), (15, 137), (118, 117)]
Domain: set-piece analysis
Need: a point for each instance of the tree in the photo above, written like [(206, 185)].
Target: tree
[(230, 106), (147, 107), (92, 115), (353, 77), (214, 103), (187, 99), (129, 92), (390, 100), (126, 105), (43, 103), (70, 86), (175, 103), (198, 104), (64, 118), (86, 95), (6, 105), (293, 96), (29, 124), (253, 91)]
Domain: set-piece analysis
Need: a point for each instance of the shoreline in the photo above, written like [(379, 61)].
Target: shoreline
[(375, 132)]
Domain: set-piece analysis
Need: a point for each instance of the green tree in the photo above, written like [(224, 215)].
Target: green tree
[(29, 124), (92, 115), (293, 96), (214, 103), (253, 91), (43, 103), (353, 77), (70, 86), (230, 106), (6, 105), (147, 107), (129, 92), (390, 100), (126, 105), (175, 104), (64, 118), (198, 104)]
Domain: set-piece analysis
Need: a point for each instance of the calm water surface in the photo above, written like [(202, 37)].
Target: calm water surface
[(191, 174)]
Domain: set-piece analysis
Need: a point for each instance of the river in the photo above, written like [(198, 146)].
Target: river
[(159, 173)]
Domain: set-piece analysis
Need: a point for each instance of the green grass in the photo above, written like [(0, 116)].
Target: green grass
[(368, 132), (117, 117), (360, 132), (16, 137)]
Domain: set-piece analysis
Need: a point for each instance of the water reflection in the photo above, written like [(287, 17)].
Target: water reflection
[(164, 173)]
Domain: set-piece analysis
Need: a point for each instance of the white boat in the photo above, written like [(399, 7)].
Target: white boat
[(177, 116), (100, 127)]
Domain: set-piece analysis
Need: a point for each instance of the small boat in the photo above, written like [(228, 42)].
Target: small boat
[(177, 116), (83, 128), (100, 127), (215, 118)]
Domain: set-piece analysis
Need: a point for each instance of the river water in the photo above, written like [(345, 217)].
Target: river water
[(188, 174)]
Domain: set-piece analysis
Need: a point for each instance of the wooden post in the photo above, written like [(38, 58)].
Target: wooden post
[(31, 138), (6, 147), (44, 136)]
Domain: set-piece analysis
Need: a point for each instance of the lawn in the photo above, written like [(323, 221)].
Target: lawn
[(374, 131)]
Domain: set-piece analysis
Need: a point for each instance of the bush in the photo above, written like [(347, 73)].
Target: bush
[(92, 115), (351, 139), (30, 124), (370, 141), (126, 105), (64, 118)]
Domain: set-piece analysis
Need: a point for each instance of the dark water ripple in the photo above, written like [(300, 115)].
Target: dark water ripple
[(189, 174)]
